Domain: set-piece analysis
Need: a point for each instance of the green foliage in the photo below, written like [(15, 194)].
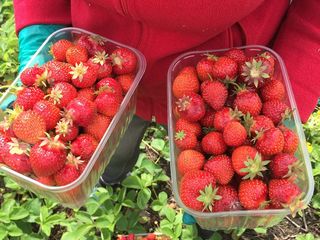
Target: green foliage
[(308, 236)]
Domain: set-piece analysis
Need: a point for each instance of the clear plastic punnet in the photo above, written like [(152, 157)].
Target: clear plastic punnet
[(239, 218), (76, 193)]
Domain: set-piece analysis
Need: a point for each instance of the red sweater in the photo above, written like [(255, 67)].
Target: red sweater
[(162, 30)]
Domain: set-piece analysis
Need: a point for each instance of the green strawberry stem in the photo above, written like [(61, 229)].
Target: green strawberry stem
[(254, 167), (296, 206), (208, 196)]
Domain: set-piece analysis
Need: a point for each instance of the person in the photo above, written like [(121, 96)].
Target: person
[(162, 30)]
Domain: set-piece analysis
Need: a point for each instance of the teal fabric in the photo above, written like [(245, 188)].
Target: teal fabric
[(188, 219)]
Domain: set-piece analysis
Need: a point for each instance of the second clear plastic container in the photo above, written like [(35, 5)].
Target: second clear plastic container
[(243, 218)]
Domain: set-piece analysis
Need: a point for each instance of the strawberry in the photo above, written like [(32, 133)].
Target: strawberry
[(247, 162), (269, 57), (224, 67), (185, 82), (103, 64), (49, 112), (59, 49), (27, 97), (253, 194), (275, 110), (221, 168), (229, 200), (248, 102), (270, 142), (4, 145), (224, 116), (282, 165), (291, 140), (108, 103), (98, 126), (185, 140), (59, 72), (187, 126), (273, 90), (257, 123), (84, 146), (47, 157), (29, 126), (61, 94), (83, 75), (236, 55), (204, 68), (189, 160), (18, 162), (93, 43), (81, 111), (124, 61), (191, 107), (234, 134), (82, 167), (215, 94), (213, 143), (37, 76), (66, 130), (76, 54), (125, 80), (87, 93), (66, 175), (46, 180), (196, 190), (208, 118), (110, 85)]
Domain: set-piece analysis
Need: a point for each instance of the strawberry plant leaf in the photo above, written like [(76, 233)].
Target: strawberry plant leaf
[(3, 232), (143, 198), (128, 203), (13, 230), (308, 236), (158, 144), (18, 213), (132, 182)]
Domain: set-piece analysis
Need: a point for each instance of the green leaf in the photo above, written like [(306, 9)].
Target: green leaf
[(103, 222), (158, 144), (46, 229), (308, 236), (18, 213), (316, 201), (14, 231), (7, 206), (146, 179), (163, 197), (216, 236), (261, 230), (128, 203), (143, 198), (83, 217), (92, 206), (3, 232), (79, 234), (132, 182), (168, 232), (170, 214)]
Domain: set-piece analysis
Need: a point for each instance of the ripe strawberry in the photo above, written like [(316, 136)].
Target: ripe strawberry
[(18, 162), (208, 118), (185, 140), (196, 190), (234, 134), (248, 102), (191, 107), (275, 110), (125, 81), (204, 68), (81, 111), (270, 58), (291, 140), (82, 167), (224, 116), (215, 94), (213, 143), (189, 160), (221, 168), (37, 76), (83, 75), (282, 164), (4, 145), (66, 175), (253, 194), (224, 68), (46, 180), (185, 82), (124, 61), (27, 97), (59, 72), (236, 55), (273, 90), (229, 200), (247, 162), (84, 146), (187, 126), (257, 123), (66, 130), (47, 157), (87, 93), (29, 126), (108, 103), (109, 85), (49, 112), (93, 43), (270, 142), (98, 126), (103, 64), (61, 94), (76, 54), (59, 49)]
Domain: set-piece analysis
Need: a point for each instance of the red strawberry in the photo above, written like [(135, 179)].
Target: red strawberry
[(98, 126), (87, 93), (108, 103), (62, 93), (224, 68), (93, 43), (213, 143), (83, 75), (208, 118), (59, 49), (187, 126), (189, 160), (35, 75), (270, 142), (4, 146), (47, 157), (282, 165), (253, 194), (82, 167), (76, 54), (248, 102), (66, 130), (191, 107), (273, 90), (221, 168), (27, 97), (215, 94), (186, 82), (125, 80), (66, 175), (29, 126), (269, 57), (84, 146), (196, 190), (275, 110), (204, 68), (124, 61), (103, 64), (110, 85), (46, 180), (59, 72), (49, 112), (229, 200), (81, 111), (258, 123), (224, 116), (185, 140), (234, 134), (291, 140), (236, 55)]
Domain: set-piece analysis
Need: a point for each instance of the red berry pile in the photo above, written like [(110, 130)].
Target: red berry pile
[(63, 109), (235, 152)]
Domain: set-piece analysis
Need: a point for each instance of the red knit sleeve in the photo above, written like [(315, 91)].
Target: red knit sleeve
[(29, 12), (298, 43)]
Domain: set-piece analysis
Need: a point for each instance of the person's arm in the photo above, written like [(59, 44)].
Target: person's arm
[(298, 43)]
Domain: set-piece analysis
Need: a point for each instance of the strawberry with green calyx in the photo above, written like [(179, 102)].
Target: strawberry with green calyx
[(253, 194), (185, 82), (59, 72), (185, 140), (81, 111), (103, 64), (224, 67), (257, 124), (185, 125), (126, 81), (87, 93), (76, 54), (273, 90), (83, 75), (191, 107), (224, 116), (189, 160), (221, 168), (35, 76), (247, 101), (276, 110), (205, 66), (124, 61), (229, 200), (213, 143), (215, 94), (234, 134), (66, 130), (110, 85), (269, 57), (291, 140), (98, 126), (84, 146), (59, 49), (49, 112), (270, 142), (108, 103), (61, 94), (283, 165)]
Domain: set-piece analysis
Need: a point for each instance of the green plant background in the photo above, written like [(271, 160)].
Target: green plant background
[(142, 203)]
